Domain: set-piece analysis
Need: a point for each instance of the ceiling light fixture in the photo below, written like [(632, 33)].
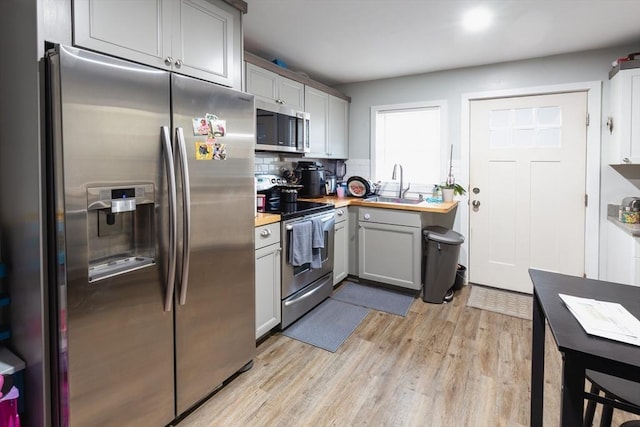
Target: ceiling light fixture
[(477, 19)]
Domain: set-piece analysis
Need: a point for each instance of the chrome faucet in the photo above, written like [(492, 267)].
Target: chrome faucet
[(401, 191)]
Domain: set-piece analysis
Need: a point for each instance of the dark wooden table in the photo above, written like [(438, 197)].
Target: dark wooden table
[(579, 350)]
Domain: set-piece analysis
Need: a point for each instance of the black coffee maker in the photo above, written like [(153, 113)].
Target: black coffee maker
[(311, 177)]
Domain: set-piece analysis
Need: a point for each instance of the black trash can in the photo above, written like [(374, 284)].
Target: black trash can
[(461, 277), (441, 250)]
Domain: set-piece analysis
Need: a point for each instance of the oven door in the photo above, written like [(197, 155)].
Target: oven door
[(295, 278)]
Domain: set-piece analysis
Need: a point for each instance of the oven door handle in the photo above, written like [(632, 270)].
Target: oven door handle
[(306, 294), (289, 227)]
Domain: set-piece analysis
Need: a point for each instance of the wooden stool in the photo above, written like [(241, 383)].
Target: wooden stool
[(614, 388)]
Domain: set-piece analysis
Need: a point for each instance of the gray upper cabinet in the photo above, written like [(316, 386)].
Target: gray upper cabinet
[(317, 105), (328, 129), (199, 38), (272, 87), (625, 117), (338, 142)]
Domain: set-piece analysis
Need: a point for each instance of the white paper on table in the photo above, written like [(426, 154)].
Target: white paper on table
[(604, 319)]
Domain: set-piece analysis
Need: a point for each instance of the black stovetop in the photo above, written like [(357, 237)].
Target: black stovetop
[(300, 208)]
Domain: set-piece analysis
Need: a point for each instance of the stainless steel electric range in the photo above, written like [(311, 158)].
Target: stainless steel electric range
[(302, 286)]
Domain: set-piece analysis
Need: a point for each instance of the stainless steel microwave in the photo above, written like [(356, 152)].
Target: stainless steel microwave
[(282, 129)]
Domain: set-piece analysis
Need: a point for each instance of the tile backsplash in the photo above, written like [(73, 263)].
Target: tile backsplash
[(270, 163)]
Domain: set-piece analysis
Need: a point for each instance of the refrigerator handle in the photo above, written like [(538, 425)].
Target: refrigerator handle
[(186, 214), (173, 215)]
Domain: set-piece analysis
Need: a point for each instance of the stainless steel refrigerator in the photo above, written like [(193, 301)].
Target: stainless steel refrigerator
[(151, 217)]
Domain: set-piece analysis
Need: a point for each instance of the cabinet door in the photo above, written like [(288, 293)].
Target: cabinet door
[(621, 260), (291, 93), (262, 83), (625, 110), (317, 105), (138, 30), (338, 128), (203, 41), (390, 254), (267, 289), (272, 87), (341, 248), (353, 240), (199, 38)]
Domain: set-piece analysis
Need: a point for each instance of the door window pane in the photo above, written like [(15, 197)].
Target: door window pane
[(526, 128)]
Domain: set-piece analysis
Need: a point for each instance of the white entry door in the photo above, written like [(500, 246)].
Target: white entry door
[(527, 182)]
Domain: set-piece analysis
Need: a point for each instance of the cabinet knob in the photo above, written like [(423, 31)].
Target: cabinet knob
[(366, 216), (626, 160), (265, 233), (168, 61), (340, 212), (178, 63)]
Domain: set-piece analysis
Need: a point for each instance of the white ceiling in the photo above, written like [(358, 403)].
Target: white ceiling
[(342, 41)]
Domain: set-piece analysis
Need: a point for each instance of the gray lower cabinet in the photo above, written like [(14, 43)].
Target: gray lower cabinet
[(268, 252), (390, 247), (341, 246), (199, 38), (623, 256)]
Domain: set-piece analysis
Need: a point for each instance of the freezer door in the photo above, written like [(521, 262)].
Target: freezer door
[(215, 326), (115, 340)]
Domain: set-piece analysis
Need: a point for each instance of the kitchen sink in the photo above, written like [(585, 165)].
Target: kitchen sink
[(381, 199)]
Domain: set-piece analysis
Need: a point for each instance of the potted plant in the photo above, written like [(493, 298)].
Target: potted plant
[(450, 188)]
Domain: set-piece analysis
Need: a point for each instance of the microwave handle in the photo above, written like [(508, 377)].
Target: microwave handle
[(305, 133)]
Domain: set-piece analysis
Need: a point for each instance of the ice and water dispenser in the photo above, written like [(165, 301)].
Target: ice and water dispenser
[(121, 235)]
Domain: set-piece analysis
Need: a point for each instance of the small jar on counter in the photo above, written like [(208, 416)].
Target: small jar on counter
[(629, 215)]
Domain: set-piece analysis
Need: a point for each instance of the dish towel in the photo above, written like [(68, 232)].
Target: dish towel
[(300, 252), (317, 243)]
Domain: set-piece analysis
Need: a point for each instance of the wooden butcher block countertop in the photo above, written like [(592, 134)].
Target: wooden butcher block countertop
[(341, 202)]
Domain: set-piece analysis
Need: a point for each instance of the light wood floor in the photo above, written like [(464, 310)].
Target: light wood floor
[(442, 365)]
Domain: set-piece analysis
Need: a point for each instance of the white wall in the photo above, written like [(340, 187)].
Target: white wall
[(451, 84)]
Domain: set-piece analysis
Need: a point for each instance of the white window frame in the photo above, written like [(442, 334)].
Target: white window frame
[(444, 132)]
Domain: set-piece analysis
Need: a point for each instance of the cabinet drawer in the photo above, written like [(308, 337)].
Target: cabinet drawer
[(390, 216), (267, 235), (342, 214)]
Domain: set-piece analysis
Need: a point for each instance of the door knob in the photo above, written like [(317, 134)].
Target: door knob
[(475, 204), (475, 190)]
